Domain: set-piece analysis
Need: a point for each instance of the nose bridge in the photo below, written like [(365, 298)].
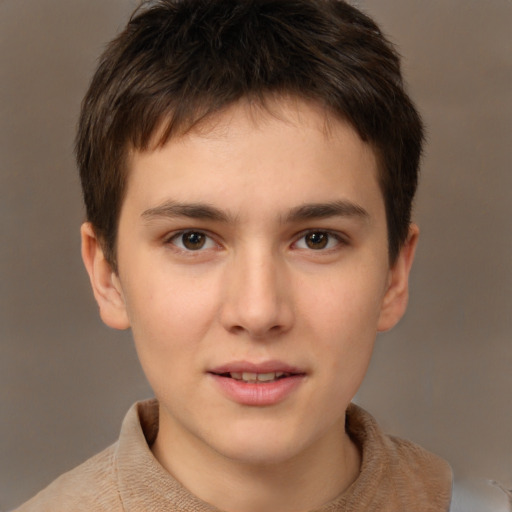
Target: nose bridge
[(257, 300)]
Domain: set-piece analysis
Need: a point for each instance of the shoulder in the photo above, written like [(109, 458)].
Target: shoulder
[(413, 458), (90, 486), (104, 482), (398, 471), (419, 472)]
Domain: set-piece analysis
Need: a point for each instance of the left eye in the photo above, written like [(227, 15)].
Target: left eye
[(192, 241), (317, 240)]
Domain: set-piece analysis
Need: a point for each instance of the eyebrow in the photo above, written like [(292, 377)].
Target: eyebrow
[(204, 211), (200, 211), (325, 210)]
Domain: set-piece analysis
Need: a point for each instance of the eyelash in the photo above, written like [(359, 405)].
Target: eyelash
[(179, 237), (331, 236), (211, 243)]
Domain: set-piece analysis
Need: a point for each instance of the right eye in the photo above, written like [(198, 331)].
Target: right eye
[(192, 241), (319, 240)]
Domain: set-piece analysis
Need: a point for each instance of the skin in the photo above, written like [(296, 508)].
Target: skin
[(259, 289)]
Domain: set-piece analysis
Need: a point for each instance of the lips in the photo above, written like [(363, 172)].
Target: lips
[(263, 384), (258, 368), (257, 377)]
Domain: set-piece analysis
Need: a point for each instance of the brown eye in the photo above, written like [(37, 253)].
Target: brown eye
[(193, 240), (317, 240)]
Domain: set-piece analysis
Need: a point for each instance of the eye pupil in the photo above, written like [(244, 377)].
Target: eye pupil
[(317, 240), (193, 240)]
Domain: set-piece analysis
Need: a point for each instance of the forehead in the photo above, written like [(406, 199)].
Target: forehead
[(252, 149), (255, 113)]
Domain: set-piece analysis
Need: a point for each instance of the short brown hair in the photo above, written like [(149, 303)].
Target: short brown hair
[(180, 61)]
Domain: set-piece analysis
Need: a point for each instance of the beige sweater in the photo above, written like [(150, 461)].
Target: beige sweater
[(395, 476)]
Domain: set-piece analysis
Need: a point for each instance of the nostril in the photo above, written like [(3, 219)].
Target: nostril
[(257, 311)]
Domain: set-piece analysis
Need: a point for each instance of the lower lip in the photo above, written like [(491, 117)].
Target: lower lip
[(258, 394)]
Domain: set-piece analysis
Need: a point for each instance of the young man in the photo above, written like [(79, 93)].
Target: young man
[(248, 169)]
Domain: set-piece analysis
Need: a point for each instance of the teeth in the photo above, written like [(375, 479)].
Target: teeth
[(256, 377), (265, 377)]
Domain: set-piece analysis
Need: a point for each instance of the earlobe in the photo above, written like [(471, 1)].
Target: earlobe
[(104, 281), (397, 293)]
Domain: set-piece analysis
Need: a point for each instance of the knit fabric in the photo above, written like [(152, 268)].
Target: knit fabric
[(395, 476)]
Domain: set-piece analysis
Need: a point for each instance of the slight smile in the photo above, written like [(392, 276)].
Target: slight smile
[(261, 384)]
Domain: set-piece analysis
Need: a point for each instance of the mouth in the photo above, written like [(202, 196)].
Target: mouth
[(257, 384), (255, 378), (257, 373)]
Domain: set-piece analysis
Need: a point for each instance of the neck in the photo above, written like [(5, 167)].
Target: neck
[(308, 480)]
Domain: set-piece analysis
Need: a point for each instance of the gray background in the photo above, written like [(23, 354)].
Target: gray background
[(442, 378)]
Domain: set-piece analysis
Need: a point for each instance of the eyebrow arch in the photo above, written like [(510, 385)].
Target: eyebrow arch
[(324, 210), (204, 211), (200, 211)]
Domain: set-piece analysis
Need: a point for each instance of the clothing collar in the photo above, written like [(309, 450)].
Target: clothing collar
[(143, 483), (383, 483)]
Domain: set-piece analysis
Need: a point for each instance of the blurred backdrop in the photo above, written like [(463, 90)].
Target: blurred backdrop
[(442, 378)]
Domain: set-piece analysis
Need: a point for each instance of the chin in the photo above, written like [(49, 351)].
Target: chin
[(259, 446), (259, 456)]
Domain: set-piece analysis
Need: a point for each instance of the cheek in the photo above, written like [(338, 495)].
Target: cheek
[(342, 318), (169, 317), (165, 303), (344, 307)]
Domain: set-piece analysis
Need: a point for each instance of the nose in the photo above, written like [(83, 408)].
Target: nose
[(257, 299)]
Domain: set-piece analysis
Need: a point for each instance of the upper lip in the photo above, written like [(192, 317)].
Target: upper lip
[(263, 367)]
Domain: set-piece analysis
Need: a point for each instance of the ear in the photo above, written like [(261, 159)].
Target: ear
[(104, 281), (397, 294)]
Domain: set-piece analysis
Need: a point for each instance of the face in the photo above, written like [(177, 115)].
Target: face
[(253, 271)]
